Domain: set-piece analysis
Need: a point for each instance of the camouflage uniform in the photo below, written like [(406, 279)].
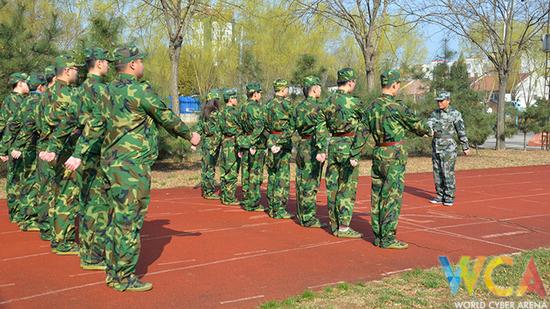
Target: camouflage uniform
[(64, 113), (308, 119), (342, 113), (46, 172), (209, 129), (229, 161), (387, 119), (10, 124), (129, 149), (26, 142), (91, 182), (253, 137), (444, 124), (279, 124)]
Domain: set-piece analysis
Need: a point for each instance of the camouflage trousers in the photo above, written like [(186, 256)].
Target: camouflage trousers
[(13, 188), (308, 176), (209, 159), (229, 166), (28, 207), (128, 191), (67, 203), (245, 175), (93, 213), (278, 183), (47, 192), (388, 172), (341, 180), (255, 169), (444, 174)]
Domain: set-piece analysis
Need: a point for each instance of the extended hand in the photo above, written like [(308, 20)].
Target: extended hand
[(72, 163), (15, 154), (252, 151), (4, 158), (275, 149), (321, 157), (240, 154), (195, 138), (467, 152), (353, 162)]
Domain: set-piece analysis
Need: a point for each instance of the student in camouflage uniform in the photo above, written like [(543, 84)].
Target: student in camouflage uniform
[(129, 148), (229, 161), (85, 160), (63, 117), (253, 145), (25, 143), (444, 122), (209, 130), (45, 170), (279, 123), (10, 124), (310, 151), (388, 119), (342, 113)]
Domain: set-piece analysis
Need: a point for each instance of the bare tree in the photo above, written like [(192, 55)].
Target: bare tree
[(177, 15), (500, 29), (362, 18)]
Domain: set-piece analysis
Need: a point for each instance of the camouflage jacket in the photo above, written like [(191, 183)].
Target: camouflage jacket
[(229, 121), (252, 122), (10, 120), (132, 115), (94, 98), (342, 113), (279, 119), (444, 124), (210, 127), (388, 120), (29, 133), (308, 119), (61, 116)]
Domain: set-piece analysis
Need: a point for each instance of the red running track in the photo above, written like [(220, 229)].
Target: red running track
[(199, 254)]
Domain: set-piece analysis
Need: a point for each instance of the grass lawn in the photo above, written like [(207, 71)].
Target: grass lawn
[(423, 288)]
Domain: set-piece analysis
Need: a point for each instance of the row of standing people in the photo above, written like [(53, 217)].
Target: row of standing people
[(333, 132), (86, 152)]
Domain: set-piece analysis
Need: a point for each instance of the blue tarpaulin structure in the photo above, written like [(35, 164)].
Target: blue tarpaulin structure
[(188, 105)]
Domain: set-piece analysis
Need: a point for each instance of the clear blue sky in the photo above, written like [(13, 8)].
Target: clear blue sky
[(434, 41)]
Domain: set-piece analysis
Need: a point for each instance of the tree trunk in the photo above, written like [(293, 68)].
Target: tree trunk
[(524, 141), (501, 138), (175, 62)]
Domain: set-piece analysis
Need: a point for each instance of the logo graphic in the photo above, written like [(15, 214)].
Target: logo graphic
[(462, 272)]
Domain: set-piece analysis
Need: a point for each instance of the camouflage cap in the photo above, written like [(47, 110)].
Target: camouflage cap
[(253, 87), (36, 79), (230, 94), (346, 74), (125, 54), (97, 54), (310, 81), (443, 95), (213, 94), (17, 77), (389, 77), (49, 72), (280, 84), (66, 61)]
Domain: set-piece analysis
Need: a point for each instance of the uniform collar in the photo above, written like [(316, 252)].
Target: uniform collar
[(94, 77), (126, 76), (389, 96)]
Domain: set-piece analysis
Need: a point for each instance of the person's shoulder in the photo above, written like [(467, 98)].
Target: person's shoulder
[(454, 112)]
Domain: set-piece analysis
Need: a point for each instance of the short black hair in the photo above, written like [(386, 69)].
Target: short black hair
[(119, 67), (90, 63), (341, 83), (250, 94), (306, 91)]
